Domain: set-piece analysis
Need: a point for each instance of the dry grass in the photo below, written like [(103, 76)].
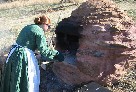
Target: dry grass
[(14, 4), (25, 3)]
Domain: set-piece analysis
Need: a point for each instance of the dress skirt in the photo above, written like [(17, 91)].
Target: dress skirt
[(21, 73)]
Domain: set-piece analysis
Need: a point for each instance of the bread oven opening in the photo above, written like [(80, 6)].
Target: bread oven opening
[(67, 35), (67, 38)]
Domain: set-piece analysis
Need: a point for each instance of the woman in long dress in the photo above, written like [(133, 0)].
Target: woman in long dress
[(22, 71)]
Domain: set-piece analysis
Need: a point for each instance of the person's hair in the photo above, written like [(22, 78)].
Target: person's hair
[(42, 20)]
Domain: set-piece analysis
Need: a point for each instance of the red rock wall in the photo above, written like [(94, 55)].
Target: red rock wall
[(107, 45)]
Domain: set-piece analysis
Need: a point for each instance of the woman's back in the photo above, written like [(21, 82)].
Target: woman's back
[(27, 37)]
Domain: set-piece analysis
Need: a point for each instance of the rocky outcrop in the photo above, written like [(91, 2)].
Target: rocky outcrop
[(106, 47)]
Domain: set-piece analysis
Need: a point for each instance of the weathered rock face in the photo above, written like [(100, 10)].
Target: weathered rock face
[(106, 47)]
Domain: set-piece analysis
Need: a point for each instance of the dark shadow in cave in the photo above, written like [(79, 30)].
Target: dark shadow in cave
[(67, 38), (67, 35)]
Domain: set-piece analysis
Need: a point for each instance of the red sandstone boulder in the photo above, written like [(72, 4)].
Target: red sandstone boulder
[(106, 47)]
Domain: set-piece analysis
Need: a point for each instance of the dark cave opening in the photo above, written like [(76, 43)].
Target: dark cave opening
[(68, 35)]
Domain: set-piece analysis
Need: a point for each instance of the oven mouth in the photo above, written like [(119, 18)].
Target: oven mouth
[(68, 35)]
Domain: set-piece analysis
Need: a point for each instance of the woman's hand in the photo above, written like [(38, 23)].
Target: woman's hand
[(59, 57)]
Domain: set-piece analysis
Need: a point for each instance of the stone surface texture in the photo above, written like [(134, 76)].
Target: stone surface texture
[(106, 47)]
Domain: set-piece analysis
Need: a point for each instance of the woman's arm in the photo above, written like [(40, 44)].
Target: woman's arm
[(47, 52)]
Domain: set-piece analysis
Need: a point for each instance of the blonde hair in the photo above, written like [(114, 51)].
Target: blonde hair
[(42, 20)]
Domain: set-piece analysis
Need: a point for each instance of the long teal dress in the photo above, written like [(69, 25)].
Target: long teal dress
[(16, 70)]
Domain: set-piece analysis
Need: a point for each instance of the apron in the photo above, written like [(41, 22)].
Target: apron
[(33, 69)]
